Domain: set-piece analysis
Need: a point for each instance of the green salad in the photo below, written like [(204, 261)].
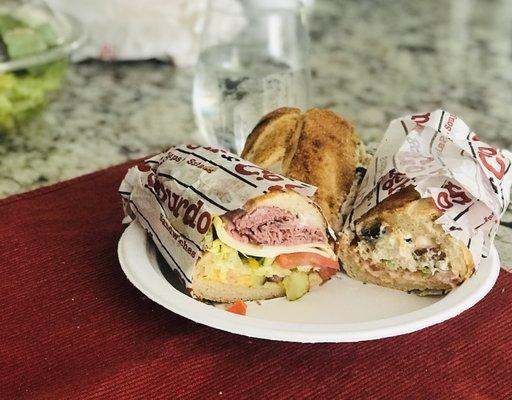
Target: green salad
[(25, 92)]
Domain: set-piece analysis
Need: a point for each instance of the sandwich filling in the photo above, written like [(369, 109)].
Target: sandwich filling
[(267, 245), (399, 250), (410, 245), (270, 225), (395, 255)]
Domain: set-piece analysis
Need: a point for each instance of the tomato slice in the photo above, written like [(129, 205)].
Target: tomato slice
[(326, 273), (293, 260), (238, 307)]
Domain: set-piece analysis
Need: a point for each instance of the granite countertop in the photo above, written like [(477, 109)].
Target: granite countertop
[(372, 62)]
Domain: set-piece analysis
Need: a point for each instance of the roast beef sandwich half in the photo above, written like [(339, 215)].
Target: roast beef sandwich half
[(229, 229), (277, 244)]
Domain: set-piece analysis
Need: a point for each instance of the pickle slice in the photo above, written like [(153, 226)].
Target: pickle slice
[(296, 285)]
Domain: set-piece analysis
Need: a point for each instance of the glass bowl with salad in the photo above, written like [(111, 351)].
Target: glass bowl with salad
[(35, 44)]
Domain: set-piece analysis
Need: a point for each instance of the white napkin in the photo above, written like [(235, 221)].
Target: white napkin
[(134, 29)]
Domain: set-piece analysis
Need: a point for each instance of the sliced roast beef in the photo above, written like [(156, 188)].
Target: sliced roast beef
[(270, 226)]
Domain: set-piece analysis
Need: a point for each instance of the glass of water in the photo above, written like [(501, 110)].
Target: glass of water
[(254, 58)]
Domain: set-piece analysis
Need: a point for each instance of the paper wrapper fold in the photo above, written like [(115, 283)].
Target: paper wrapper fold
[(175, 195), (439, 154)]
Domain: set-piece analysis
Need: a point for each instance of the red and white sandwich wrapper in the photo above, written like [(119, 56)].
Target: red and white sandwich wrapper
[(175, 195), (439, 154)]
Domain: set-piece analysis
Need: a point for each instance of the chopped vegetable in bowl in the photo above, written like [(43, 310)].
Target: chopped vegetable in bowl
[(33, 62), (23, 94)]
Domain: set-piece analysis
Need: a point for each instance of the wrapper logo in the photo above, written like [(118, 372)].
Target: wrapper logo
[(395, 182), (261, 174), (190, 213), (288, 186), (488, 155), (454, 194), (213, 150), (421, 118)]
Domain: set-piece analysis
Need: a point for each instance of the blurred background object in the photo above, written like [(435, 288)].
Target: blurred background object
[(370, 61), (35, 43), (254, 58), (251, 56), (138, 30)]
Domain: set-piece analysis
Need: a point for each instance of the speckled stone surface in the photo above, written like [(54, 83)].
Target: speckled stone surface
[(372, 61)]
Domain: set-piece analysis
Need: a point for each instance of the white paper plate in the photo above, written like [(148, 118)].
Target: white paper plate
[(342, 310)]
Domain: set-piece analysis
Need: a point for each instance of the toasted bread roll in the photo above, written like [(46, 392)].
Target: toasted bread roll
[(317, 147), (398, 244), (267, 144)]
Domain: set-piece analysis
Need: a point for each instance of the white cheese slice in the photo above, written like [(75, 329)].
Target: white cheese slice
[(256, 250)]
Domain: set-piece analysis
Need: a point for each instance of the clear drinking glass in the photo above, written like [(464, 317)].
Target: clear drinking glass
[(254, 58)]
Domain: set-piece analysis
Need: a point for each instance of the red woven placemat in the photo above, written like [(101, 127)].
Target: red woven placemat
[(72, 326)]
